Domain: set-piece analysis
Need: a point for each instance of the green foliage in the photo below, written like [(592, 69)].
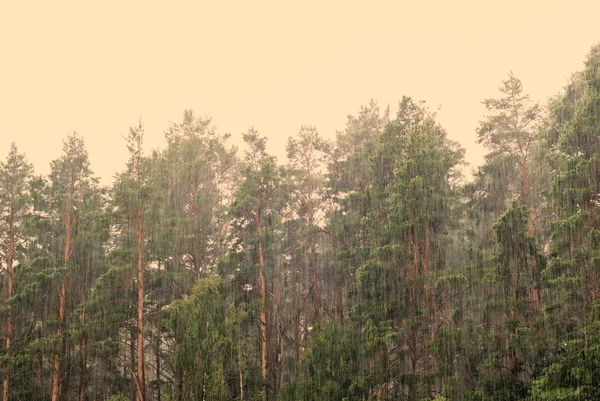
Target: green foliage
[(210, 349), (384, 276), (573, 373), (117, 397), (330, 368)]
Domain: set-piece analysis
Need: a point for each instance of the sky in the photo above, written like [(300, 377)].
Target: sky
[(99, 67)]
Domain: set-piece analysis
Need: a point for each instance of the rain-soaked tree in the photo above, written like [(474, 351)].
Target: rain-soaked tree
[(15, 204), (253, 257), (199, 176), (304, 170), (348, 196), (407, 281), (573, 268), (511, 313), (401, 296), (511, 135), (196, 176), (363, 269), (135, 200), (70, 189)]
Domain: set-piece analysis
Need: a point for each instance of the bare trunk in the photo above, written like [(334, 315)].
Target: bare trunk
[(158, 394), (315, 281), (9, 317), (428, 295), (513, 316), (240, 373), (57, 376), (59, 355), (263, 303), (132, 359), (103, 383), (414, 353), (197, 263), (278, 332), (83, 344), (295, 319), (524, 174), (141, 377), (337, 285), (429, 301), (40, 369), (280, 356)]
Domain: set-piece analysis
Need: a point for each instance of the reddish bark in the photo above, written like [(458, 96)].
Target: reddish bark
[(263, 302)]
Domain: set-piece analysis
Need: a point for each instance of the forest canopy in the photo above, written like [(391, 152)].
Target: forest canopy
[(361, 268)]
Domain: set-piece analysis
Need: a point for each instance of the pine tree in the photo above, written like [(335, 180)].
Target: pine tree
[(71, 186), (136, 200), (15, 204)]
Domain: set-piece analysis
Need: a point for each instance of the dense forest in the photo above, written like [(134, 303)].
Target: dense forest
[(363, 268)]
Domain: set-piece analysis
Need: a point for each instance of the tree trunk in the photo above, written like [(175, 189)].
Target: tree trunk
[(525, 177), (9, 294), (59, 355), (263, 303), (240, 373), (104, 383), (513, 316), (132, 359), (141, 377), (158, 393), (62, 311), (428, 295), (313, 267), (337, 285), (83, 344), (295, 319)]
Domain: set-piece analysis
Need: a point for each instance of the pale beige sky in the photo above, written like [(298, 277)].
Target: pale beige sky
[(97, 67)]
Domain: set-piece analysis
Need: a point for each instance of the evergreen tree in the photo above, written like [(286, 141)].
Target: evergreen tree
[(135, 199), (573, 269), (15, 205), (71, 187)]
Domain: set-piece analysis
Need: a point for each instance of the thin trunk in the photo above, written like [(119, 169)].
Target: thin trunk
[(428, 295), (40, 359), (57, 376), (513, 316), (40, 369), (240, 373), (414, 354), (337, 285), (530, 228), (104, 383), (412, 383), (263, 302), (178, 370), (315, 281), (9, 294), (429, 299), (157, 351), (141, 377), (197, 262), (278, 352), (132, 385), (59, 355), (280, 359), (83, 344), (295, 319), (158, 394)]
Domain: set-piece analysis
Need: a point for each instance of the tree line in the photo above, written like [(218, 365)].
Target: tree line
[(363, 268)]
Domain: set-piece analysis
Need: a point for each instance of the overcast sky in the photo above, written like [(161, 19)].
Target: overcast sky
[(97, 67)]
